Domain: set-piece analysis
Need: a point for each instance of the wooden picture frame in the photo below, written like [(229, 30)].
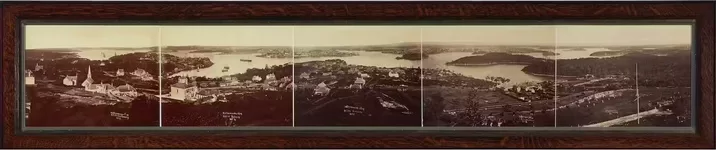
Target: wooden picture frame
[(13, 13)]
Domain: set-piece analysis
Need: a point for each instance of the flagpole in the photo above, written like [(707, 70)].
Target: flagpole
[(637, 94)]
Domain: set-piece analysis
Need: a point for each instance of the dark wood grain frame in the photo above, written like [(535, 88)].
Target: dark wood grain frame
[(702, 12)]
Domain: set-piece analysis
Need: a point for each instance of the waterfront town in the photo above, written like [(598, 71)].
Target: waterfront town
[(73, 91), (334, 93), (259, 97)]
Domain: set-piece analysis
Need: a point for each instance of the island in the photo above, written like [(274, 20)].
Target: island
[(576, 49), (495, 58), (548, 53), (413, 56), (608, 53), (323, 53)]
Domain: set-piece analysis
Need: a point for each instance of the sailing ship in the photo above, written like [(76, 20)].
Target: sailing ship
[(246, 60)]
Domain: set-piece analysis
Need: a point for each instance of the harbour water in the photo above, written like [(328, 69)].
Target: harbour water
[(236, 65)]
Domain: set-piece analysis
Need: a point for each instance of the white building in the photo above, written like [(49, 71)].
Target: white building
[(120, 72), (286, 79), (29, 78), (139, 72), (184, 90), (358, 84), (364, 75), (38, 67), (70, 80), (126, 90), (98, 88), (256, 79), (270, 77), (393, 74), (321, 89), (305, 75), (144, 75)]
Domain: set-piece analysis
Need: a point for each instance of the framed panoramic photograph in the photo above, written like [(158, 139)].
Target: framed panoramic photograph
[(358, 75)]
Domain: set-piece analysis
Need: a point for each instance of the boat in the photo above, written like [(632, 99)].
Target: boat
[(226, 68), (246, 60)]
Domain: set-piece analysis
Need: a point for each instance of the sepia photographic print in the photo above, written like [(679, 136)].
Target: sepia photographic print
[(227, 76), (89, 75), (557, 75), (357, 76)]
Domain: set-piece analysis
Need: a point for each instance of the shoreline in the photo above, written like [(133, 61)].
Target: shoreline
[(549, 75), (487, 64)]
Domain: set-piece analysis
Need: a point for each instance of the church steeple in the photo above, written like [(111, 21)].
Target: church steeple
[(89, 72), (89, 80)]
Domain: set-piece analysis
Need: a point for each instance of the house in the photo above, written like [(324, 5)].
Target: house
[(268, 87), (183, 90), (98, 88), (29, 78), (286, 79), (290, 86), (70, 80), (305, 75), (270, 77), (358, 84), (353, 71), (228, 78), (321, 89), (256, 79), (126, 90), (120, 72), (224, 83), (403, 87), (589, 76), (364, 75), (38, 67), (393, 74), (147, 77), (139, 72)]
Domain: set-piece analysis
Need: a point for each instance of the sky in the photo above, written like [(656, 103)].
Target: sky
[(491, 35), (566, 35), (355, 35), (73, 36), (227, 35), (619, 35)]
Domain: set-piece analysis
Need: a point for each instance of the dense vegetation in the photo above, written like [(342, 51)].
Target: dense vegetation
[(490, 58), (671, 70), (412, 56), (174, 64)]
